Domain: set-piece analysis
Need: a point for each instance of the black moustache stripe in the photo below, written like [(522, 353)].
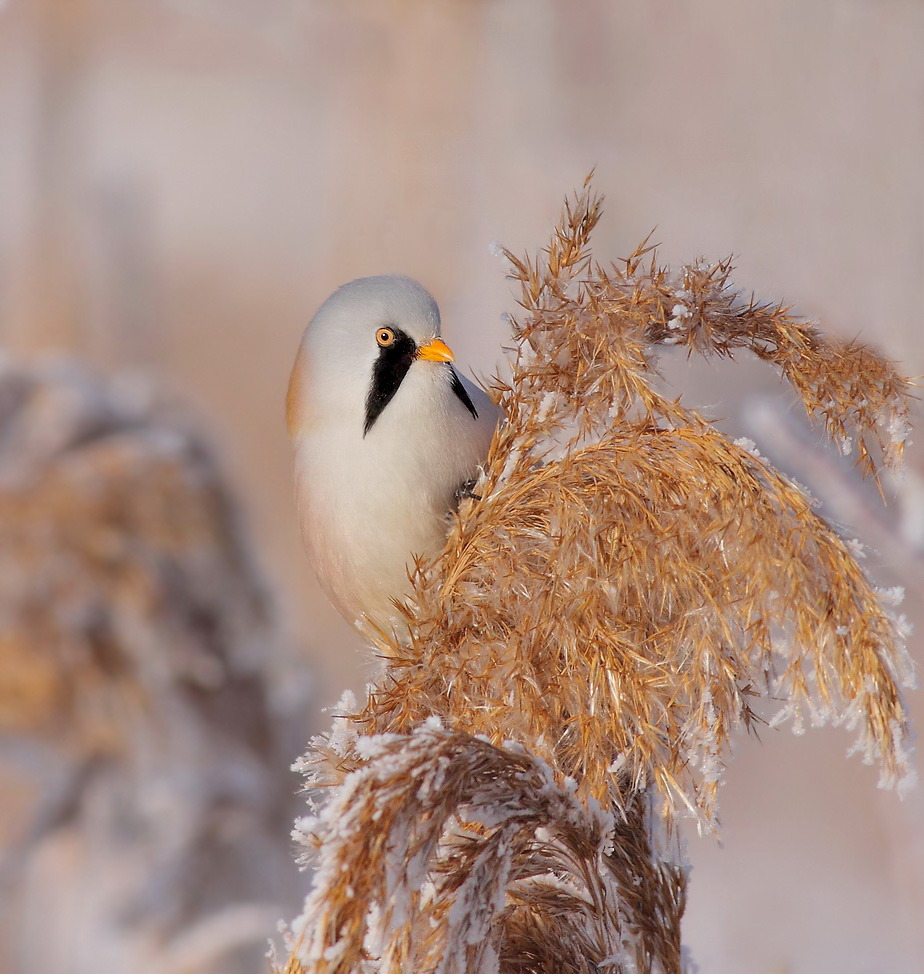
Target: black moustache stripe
[(459, 390), (387, 375)]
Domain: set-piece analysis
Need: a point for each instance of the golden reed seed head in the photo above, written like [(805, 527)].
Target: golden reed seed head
[(624, 582)]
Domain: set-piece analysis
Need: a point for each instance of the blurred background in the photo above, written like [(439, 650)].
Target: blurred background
[(182, 182)]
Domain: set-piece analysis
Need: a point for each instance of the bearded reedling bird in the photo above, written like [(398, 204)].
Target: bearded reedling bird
[(387, 438)]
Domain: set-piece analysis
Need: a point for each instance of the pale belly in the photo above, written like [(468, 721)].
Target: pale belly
[(370, 505), (365, 522)]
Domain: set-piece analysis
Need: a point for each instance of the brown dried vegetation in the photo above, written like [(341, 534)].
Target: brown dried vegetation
[(125, 573), (137, 710), (625, 581)]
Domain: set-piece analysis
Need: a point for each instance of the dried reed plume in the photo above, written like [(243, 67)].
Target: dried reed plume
[(625, 580)]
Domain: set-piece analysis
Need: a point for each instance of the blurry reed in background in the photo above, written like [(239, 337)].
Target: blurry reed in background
[(144, 738)]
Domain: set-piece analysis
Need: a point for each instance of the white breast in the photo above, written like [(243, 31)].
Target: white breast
[(369, 504)]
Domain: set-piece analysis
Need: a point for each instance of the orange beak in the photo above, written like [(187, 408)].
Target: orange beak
[(435, 350)]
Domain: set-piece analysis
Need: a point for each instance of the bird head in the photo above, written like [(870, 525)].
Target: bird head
[(358, 349)]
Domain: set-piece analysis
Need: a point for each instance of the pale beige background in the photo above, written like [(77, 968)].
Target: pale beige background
[(183, 181)]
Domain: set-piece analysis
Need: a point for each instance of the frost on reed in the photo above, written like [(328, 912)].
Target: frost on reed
[(625, 582)]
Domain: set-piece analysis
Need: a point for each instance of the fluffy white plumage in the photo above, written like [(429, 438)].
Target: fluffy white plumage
[(375, 484)]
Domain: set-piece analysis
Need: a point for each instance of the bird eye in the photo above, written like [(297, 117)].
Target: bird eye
[(384, 336)]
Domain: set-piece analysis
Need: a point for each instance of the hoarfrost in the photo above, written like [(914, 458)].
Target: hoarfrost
[(679, 314), (856, 548), (892, 596), (406, 784), (749, 446)]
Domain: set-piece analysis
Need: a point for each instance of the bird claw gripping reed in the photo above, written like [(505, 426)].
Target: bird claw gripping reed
[(623, 582)]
